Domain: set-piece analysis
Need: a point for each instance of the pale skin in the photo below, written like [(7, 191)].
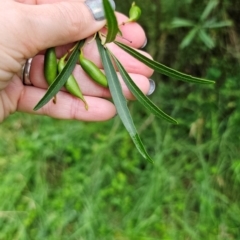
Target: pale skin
[(28, 27)]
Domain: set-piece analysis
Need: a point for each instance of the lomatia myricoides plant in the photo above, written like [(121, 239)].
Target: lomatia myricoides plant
[(58, 73)]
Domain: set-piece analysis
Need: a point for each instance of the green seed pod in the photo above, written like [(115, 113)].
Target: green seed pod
[(71, 85), (50, 65), (93, 71), (134, 13)]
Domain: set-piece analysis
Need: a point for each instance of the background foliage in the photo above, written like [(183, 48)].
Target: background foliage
[(84, 181)]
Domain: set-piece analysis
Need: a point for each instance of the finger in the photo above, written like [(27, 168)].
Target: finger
[(130, 63), (87, 85), (132, 35), (57, 23), (67, 106)]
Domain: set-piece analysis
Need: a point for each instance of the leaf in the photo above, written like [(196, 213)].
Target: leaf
[(112, 24), (144, 100), (119, 100), (181, 22), (211, 24), (210, 6), (158, 67), (206, 39), (62, 77), (189, 37)]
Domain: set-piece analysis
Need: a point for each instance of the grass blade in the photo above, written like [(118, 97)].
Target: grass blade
[(61, 78), (144, 100), (158, 67), (119, 100), (112, 24)]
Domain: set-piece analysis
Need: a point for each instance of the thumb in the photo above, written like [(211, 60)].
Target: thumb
[(62, 22)]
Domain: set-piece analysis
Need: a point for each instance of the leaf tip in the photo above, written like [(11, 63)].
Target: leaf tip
[(35, 108), (151, 161)]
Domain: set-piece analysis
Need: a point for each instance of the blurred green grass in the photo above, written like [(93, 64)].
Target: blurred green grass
[(86, 181)]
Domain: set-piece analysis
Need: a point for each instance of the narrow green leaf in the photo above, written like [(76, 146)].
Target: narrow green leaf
[(61, 78), (158, 67), (189, 37), (208, 9), (112, 24), (214, 24), (181, 22), (119, 100), (144, 100), (206, 39)]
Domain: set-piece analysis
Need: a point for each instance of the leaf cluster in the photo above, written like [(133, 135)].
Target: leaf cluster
[(199, 28), (108, 60)]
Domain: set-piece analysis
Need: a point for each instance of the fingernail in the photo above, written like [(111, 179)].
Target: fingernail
[(152, 87), (96, 7), (144, 44)]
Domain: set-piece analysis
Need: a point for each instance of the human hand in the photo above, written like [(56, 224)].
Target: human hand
[(29, 29)]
